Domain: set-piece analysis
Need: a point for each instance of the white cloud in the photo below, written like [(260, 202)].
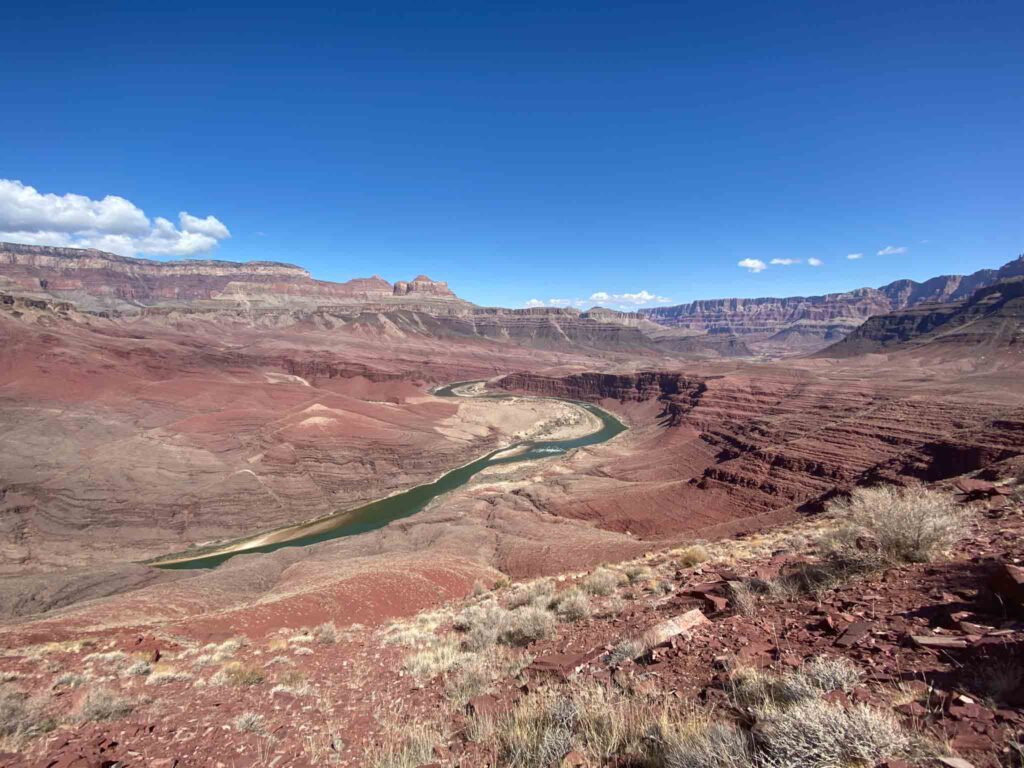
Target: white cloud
[(815, 262), (211, 226), (754, 265), (638, 299), (893, 250), (622, 301), (784, 262), (111, 224), (854, 256)]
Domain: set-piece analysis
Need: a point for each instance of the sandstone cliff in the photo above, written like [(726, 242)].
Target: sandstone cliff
[(991, 319), (807, 323)]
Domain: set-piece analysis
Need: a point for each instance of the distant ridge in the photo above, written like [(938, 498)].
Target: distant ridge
[(806, 323)]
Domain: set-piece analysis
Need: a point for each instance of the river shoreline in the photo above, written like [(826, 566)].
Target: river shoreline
[(563, 425)]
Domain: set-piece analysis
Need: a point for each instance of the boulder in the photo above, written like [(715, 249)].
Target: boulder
[(1007, 583), (677, 625)]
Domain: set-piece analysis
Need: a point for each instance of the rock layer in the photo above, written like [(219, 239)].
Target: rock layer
[(807, 323)]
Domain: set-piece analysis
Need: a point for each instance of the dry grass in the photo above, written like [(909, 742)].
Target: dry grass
[(912, 525), (818, 734), (69, 680), (601, 582), (535, 593), (326, 633), (239, 674), (572, 605), (613, 606), (163, 674), (22, 717), (695, 741), (407, 746), (526, 625), (753, 689), (140, 668), (744, 600), (277, 644), (636, 574), (691, 556), (104, 704), (627, 650), (435, 660), (250, 722)]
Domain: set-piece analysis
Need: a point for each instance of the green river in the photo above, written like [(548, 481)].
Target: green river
[(379, 513)]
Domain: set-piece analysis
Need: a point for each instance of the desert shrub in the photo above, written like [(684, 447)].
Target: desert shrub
[(538, 734), (908, 524), (250, 722), (601, 582), (162, 674), (744, 600), (303, 650), (501, 582), (695, 742), (818, 734), (326, 633), (104, 704), (277, 644), (754, 689), (613, 606), (469, 679), (572, 605), (535, 593), (830, 673), (481, 624), (627, 650), (692, 555), (236, 673), (526, 625), (637, 573), (608, 727), (115, 661), (23, 717), (69, 680), (140, 668), (410, 746), (479, 588)]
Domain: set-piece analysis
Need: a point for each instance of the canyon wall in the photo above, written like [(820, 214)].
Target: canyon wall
[(989, 322), (808, 323)]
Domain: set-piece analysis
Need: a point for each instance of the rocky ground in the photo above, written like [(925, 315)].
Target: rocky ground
[(932, 651)]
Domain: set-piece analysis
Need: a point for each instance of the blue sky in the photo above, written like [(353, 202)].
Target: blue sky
[(527, 150)]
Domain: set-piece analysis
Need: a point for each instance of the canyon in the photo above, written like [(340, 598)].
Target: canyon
[(156, 409), (802, 324)]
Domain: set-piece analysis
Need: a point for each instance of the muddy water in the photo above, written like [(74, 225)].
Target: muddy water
[(379, 513)]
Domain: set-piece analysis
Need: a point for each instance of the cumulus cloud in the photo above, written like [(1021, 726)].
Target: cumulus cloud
[(638, 299), (854, 256), (784, 262), (623, 301), (754, 265), (815, 262), (893, 250), (111, 224)]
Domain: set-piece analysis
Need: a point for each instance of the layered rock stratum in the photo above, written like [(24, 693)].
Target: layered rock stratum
[(799, 324)]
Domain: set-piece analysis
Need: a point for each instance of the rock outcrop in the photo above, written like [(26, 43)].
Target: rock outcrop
[(991, 319), (422, 285), (808, 323)]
